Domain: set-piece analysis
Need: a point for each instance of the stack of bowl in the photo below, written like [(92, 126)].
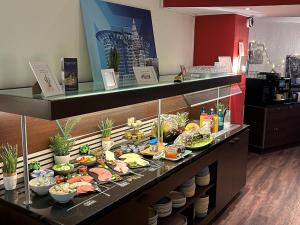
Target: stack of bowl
[(201, 206), (177, 219), (163, 207), (188, 188), (203, 177), (178, 199), (152, 216)]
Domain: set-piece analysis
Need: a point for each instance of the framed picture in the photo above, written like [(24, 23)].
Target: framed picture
[(109, 79), (145, 75), (127, 29), (256, 53), (47, 82)]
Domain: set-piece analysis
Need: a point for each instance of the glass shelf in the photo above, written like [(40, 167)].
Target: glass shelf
[(92, 98)]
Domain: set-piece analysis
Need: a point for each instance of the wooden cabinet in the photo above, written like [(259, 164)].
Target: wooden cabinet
[(232, 168), (273, 126)]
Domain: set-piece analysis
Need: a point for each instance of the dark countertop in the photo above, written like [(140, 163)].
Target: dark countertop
[(82, 209), (284, 104)]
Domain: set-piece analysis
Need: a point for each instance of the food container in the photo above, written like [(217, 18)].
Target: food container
[(203, 177), (41, 185), (171, 152), (163, 207), (152, 216), (201, 206), (62, 193), (178, 199)]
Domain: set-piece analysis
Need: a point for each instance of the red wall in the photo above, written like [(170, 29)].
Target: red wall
[(218, 3), (219, 35)]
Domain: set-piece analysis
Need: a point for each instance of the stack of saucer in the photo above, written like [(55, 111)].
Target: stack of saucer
[(201, 206), (152, 216), (188, 188), (178, 199), (177, 219), (203, 177), (163, 207)]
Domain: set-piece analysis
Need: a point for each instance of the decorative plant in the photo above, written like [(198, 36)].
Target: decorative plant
[(9, 158), (182, 119), (114, 59), (61, 143), (84, 149), (34, 165), (106, 127)]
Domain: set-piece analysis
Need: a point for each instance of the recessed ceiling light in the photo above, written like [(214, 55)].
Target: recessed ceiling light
[(248, 9)]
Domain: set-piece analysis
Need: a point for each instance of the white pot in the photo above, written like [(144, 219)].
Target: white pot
[(10, 182), (62, 159), (107, 144)]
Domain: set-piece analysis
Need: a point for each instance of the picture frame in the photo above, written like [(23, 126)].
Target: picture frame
[(145, 75), (109, 79), (46, 81)]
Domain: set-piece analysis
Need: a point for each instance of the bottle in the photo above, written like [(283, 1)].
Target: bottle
[(212, 112), (215, 123), (202, 115), (220, 120)]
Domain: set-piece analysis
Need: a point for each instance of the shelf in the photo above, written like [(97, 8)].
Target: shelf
[(207, 219), (189, 202), (90, 98)]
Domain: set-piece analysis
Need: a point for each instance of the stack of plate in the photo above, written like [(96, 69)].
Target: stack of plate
[(203, 177), (178, 199), (188, 188), (152, 216), (163, 207), (177, 219), (201, 206)]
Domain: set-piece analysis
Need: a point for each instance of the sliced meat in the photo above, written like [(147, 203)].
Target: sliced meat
[(86, 178), (103, 174), (121, 167), (85, 189)]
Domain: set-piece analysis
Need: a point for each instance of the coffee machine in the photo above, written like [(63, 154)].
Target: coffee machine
[(268, 88)]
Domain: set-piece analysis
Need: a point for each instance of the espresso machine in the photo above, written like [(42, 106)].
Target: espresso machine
[(268, 88)]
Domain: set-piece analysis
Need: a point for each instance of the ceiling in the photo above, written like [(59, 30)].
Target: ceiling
[(256, 11)]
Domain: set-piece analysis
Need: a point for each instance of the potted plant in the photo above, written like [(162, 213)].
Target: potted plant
[(114, 61), (105, 129), (182, 119), (61, 143), (9, 158)]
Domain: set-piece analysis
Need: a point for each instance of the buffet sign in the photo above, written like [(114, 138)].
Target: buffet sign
[(47, 82)]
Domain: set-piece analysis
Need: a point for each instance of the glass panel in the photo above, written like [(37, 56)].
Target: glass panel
[(210, 95), (92, 88)]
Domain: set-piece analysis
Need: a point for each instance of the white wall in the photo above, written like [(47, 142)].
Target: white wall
[(281, 37), (47, 30)]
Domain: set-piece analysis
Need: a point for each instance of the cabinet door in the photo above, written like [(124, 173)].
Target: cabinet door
[(239, 162), (232, 168), (224, 176)]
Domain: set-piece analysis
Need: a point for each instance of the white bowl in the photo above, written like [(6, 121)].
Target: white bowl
[(62, 197), (42, 189)]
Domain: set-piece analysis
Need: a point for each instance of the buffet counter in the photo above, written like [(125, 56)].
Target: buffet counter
[(127, 202)]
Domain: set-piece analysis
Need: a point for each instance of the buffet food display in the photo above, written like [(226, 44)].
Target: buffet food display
[(85, 173)]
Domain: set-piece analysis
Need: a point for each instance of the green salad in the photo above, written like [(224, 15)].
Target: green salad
[(63, 167)]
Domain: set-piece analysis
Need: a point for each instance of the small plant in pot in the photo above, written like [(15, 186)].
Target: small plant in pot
[(61, 143), (106, 129), (9, 158)]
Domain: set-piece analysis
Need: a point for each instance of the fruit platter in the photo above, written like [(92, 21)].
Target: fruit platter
[(194, 138)]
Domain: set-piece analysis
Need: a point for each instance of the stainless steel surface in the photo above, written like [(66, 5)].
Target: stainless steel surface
[(25, 160)]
